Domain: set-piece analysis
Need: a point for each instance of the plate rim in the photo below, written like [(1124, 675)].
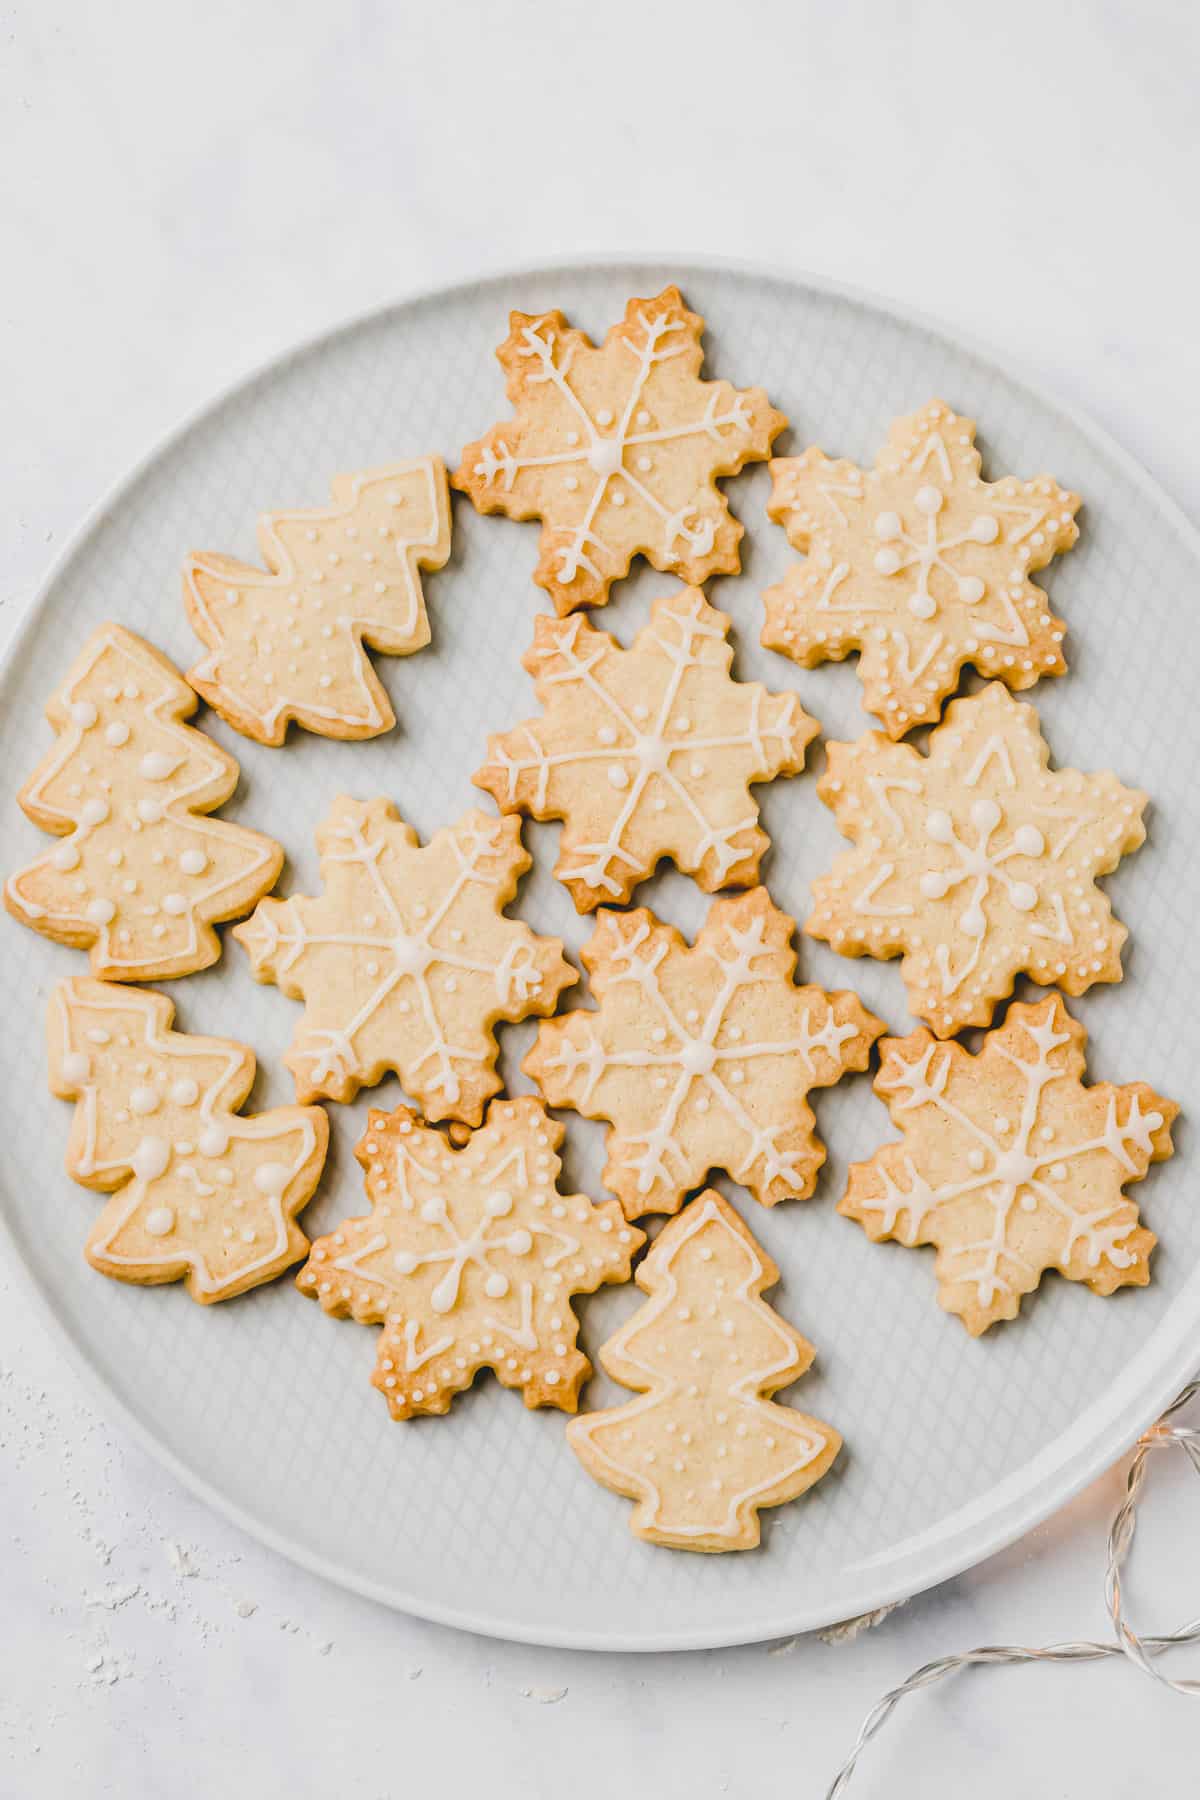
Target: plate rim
[(1052, 1491)]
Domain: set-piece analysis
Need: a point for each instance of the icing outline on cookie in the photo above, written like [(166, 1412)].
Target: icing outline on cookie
[(918, 564), (662, 1351), (345, 604), (703, 1055), (173, 1183), (95, 729), (1017, 1168), (596, 442), (653, 774)]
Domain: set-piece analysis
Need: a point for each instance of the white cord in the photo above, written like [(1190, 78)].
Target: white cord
[(1126, 1641)]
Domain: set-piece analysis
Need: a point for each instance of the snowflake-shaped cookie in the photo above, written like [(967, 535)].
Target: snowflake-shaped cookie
[(702, 1058), (1010, 1164), (288, 643), (920, 565), (647, 752), (469, 1258), (976, 861), (616, 449), (406, 962), (198, 1189)]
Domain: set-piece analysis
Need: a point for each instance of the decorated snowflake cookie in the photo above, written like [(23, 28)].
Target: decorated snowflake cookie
[(288, 643), (197, 1191), (648, 752), (704, 1446), (920, 565), (702, 1058), (469, 1258), (617, 449), (1010, 1164), (976, 861), (140, 875), (407, 962)]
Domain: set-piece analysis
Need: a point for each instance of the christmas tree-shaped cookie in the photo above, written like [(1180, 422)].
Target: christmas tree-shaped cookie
[(287, 642), (140, 875), (703, 1447), (197, 1191)]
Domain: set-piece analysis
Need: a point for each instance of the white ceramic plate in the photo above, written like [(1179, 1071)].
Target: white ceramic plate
[(484, 1519)]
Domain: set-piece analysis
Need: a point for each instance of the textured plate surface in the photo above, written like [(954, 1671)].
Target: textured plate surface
[(484, 1519)]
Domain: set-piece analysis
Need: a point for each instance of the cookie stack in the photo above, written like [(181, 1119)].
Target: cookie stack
[(971, 859)]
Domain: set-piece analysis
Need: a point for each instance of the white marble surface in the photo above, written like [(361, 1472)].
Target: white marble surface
[(189, 190)]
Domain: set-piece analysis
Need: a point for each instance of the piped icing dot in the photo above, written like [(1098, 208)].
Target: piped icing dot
[(158, 765), (213, 1140), (151, 1158), (271, 1178)]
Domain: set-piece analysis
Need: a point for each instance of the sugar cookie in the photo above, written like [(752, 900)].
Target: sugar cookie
[(140, 875), (702, 1058), (469, 1258), (1010, 1164), (198, 1190), (976, 861), (407, 962), (288, 643), (919, 565), (617, 449), (647, 752), (704, 1447)]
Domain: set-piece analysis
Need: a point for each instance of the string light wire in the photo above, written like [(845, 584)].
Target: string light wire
[(1126, 1641)]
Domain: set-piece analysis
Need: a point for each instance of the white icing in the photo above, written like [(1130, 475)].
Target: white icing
[(641, 764), (151, 1158), (686, 531), (963, 840), (271, 1178), (388, 612), (695, 1058), (617, 1436), (1003, 1172), (158, 765), (407, 949), (450, 1241), (934, 562), (128, 940), (165, 1185)]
